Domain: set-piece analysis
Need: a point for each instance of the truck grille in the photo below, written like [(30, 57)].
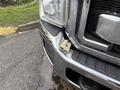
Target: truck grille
[(101, 61)]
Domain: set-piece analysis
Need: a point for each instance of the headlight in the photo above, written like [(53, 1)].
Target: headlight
[(54, 11)]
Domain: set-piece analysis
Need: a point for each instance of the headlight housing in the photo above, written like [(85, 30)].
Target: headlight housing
[(54, 12)]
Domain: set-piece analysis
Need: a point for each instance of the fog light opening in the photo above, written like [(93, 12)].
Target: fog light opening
[(83, 82)]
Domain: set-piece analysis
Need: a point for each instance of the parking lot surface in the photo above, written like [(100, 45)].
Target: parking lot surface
[(24, 65)]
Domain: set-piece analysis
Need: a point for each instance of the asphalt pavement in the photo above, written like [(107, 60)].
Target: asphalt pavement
[(24, 65)]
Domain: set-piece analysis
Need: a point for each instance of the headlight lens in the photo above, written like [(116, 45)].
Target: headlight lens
[(54, 11)]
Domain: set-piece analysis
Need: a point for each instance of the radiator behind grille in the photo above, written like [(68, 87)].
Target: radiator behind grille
[(106, 5)]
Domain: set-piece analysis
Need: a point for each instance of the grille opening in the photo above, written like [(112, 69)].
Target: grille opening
[(90, 84), (98, 7)]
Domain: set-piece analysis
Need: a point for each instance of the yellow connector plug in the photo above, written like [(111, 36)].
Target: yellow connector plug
[(65, 46)]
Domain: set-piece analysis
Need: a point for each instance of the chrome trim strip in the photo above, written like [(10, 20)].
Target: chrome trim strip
[(82, 25)]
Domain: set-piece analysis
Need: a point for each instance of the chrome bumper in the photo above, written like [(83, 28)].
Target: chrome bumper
[(61, 61)]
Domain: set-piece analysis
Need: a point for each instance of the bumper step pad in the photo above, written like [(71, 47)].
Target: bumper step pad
[(98, 65)]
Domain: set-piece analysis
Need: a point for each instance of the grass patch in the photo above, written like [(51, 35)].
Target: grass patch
[(14, 16)]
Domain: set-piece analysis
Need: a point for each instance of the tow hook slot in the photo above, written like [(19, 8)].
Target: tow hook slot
[(83, 82), (65, 46)]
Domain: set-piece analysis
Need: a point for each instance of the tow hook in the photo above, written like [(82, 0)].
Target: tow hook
[(65, 46)]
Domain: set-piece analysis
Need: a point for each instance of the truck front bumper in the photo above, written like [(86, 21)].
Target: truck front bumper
[(61, 62)]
